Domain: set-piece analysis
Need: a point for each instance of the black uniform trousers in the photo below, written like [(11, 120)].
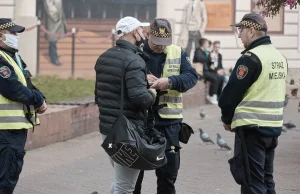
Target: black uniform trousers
[(12, 153), (260, 153), (166, 175)]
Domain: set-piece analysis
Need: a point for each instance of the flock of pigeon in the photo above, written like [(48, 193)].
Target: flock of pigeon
[(220, 141), (206, 139)]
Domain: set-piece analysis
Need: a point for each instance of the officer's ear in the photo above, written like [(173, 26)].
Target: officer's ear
[(252, 32)]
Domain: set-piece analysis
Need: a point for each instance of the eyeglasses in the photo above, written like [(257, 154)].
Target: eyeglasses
[(240, 29), (158, 46)]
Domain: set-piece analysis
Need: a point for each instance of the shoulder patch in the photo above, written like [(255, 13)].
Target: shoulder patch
[(5, 72), (241, 71)]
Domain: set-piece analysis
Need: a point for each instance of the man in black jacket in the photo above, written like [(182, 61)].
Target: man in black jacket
[(202, 55), (137, 98), (170, 70), (252, 106)]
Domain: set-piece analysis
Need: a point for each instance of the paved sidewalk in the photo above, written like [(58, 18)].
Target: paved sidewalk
[(80, 166)]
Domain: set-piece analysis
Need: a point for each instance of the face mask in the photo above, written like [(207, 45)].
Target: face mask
[(206, 52), (11, 41), (140, 43)]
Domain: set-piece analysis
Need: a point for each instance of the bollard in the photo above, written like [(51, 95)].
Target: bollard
[(113, 31), (73, 51), (38, 48)]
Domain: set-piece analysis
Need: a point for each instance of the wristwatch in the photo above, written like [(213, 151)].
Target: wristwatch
[(169, 84)]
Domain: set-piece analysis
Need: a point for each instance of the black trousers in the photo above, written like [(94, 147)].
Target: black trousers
[(167, 175), (12, 153), (260, 152), (216, 82)]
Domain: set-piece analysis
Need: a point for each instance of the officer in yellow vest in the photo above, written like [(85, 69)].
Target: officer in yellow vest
[(252, 106), (19, 103), (171, 73)]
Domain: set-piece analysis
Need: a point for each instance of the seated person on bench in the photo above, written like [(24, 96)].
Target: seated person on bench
[(202, 55)]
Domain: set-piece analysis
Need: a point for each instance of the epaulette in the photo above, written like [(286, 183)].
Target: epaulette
[(247, 54)]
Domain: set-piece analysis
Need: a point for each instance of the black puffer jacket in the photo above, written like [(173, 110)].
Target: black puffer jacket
[(201, 57), (137, 98)]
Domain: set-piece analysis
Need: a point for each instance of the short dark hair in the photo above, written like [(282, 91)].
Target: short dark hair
[(202, 41), (209, 43), (217, 42)]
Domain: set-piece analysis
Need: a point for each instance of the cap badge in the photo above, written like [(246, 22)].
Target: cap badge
[(162, 30)]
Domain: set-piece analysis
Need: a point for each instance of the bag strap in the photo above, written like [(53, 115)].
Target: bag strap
[(245, 156), (122, 90)]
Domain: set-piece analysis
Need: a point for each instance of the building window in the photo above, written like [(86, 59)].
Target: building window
[(110, 9), (275, 23), (220, 14)]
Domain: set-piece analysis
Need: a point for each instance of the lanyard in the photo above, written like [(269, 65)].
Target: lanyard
[(18, 60)]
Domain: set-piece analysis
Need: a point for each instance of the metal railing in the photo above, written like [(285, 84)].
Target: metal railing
[(73, 34)]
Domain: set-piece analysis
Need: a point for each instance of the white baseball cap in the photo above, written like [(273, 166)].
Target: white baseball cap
[(128, 24)]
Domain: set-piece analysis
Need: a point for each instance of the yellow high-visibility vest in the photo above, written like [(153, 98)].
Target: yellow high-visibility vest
[(264, 101), (173, 99), (13, 114)]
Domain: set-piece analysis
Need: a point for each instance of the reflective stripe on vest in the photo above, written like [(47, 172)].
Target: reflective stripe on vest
[(13, 114), (265, 117), (262, 104), (264, 101), (173, 99), (173, 61)]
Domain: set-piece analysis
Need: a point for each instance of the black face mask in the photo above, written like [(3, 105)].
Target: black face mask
[(140, 43)]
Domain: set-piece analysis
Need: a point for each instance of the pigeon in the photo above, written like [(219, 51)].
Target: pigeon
[(289, 125), (202, 114), (222, 143), (204, 137)]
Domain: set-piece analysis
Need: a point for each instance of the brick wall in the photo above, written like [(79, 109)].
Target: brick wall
[(196, 96), (62, 125)]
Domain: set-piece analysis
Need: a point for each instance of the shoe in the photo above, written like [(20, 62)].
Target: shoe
[(212, 99), (95, 192), (57, 63), (215, 99)]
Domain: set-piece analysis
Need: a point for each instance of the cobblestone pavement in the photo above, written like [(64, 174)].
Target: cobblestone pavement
[(80, 166)]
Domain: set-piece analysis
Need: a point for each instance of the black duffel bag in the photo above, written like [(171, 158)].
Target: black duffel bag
[(132, 146)]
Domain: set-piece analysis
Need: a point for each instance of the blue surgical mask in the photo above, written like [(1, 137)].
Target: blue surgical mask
[(11, 41)]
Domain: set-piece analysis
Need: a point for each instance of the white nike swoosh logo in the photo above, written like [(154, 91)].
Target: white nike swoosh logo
[(158, 158)]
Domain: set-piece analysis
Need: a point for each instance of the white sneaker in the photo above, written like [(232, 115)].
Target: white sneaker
[(215, 98), (212, 99)]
